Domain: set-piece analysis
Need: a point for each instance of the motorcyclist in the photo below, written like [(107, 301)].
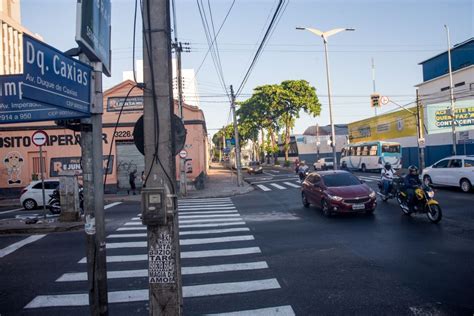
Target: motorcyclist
[(297, 165), (344, 166), (387, 175), (302, 170), (411, 182)]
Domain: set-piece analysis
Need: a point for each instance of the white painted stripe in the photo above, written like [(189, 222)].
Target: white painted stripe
[(200, 208), (209, 216), (278, 186), (213, 231), (136, 219), (211, 225), (208, 212), (220, 252), (206, 205), (125, 258), (111, 205), (122, 274), (132, 244), (292, 185), (205, 202), (131, 228), (205, 199), (126, 235), (11, 211), (229, 288), (133, 224), (13, 247), (223, 268), (202, 241), (286, 310), (264, 188), (142, 295), (190, 221)]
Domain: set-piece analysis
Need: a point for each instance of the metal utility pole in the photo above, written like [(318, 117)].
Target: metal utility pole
[(182, 161), (159, 203), (317, 141), (373, 82), (236, 136), (93, 182), (421, 147), (451, 92)]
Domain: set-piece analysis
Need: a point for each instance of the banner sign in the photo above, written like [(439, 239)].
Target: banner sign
[(74, 164), (439, 119), (115, 104)]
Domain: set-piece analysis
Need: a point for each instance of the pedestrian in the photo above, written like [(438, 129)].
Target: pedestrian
[(131, 179)]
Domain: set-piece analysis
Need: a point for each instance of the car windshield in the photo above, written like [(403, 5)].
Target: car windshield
[(340, 180), (328, 159)]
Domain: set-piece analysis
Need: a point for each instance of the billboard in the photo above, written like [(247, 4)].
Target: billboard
[(439, 120), (387, 126)]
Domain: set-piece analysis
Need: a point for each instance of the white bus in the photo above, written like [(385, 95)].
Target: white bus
[(372, 155)]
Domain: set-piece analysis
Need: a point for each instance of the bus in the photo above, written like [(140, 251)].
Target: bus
[(372, 155)]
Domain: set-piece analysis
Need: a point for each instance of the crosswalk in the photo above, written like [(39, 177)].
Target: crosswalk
[(369, 178), (220, 260), (278, 185)]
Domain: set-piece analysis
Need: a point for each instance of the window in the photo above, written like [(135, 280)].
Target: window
[(37, 165), (340, 180), (37, 186), (51, 185), (353, 151), (442, 164), (468, 163), (455, 163), (393, 149), (373, 150), (358, 150), (445, 88), (459, 84), (365, 151), (343, 152)]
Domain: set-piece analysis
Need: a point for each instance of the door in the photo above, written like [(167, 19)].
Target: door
[(129, 159), (439, 172), (454, 173), (317, 190)]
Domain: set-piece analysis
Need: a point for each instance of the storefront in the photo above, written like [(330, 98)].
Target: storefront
[(20, 162)]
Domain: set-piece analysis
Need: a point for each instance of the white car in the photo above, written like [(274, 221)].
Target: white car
[(455, 171), (32, 196), (324, 164)]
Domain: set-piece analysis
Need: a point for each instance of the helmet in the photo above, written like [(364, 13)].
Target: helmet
[(413, 169), (388, 166)]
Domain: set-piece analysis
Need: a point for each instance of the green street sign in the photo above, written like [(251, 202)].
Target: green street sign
[(93, 31)]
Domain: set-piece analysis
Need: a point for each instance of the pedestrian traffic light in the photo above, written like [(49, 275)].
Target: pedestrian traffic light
[(375, 100)]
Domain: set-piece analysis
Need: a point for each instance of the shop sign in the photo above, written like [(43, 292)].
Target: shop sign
[(115, 104), (59, 164), (439, 119)]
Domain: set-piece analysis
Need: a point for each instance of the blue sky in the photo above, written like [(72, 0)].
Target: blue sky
[(398, 34)]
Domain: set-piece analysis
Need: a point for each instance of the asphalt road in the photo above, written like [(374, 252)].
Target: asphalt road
[(285, 258)]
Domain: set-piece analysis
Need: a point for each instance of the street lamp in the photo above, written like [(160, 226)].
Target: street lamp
[(325, 36), (451, 93)]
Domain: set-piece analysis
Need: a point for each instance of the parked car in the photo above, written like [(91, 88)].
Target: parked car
[(457, 171), (324, 164), (32, 197), (337, 192), (254, 167)]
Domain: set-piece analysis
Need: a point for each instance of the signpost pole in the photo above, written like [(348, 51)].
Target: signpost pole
[(42, 181), (238, 164), (419, 125)]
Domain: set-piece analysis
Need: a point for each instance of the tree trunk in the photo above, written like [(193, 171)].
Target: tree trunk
[(262, 146), (287, 140)]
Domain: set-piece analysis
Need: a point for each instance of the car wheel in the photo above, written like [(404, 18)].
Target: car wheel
[(325, 208), (466, 185), (363, 168), (304, 200), (30, 204), (427, 180)]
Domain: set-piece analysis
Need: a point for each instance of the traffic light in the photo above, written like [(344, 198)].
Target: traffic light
[(375, 100)]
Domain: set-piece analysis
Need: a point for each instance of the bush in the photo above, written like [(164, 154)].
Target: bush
[(287, 163), (277, 163)]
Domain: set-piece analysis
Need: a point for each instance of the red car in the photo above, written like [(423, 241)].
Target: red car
[(337, 192)]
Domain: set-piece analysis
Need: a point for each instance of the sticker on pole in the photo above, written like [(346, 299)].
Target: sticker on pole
[(161, 261), (384, 100), (39, 138), (183, 154)]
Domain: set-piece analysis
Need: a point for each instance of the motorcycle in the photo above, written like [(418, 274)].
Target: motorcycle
[(423, 202), (303, 174), (54, 203), (395, 186)]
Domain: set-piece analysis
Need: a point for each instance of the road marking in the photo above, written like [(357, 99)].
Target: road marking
[(200, 208), (126, 235), (190, 221), (131, 228), (286, 310), (133, 223), (224, 268), (277, 186), (122, 274), (220, 252), (136, 219), (229, 288), (11, 211), (132, 244), (217, 200), (292, 185), (209, 216), (202, 241), (275, 180), (142, 295), (111, 205), (13, 247), (205, 205), (263, 188), (208, 212), (214, 231), (211, 225), (125, 258)]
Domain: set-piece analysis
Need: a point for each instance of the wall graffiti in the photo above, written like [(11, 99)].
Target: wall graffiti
[(13, 161)]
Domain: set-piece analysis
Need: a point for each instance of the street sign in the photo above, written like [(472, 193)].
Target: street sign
[(227, 150), (53, 78), (375, 100), (93, 30), (421, 142), (15, 109), (384, 100), (183, 154), (39, 138)]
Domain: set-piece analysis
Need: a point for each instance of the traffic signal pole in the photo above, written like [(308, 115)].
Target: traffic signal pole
[(159, 201)]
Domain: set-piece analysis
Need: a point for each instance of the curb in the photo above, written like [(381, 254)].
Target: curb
[(226, 194), (57, 227)]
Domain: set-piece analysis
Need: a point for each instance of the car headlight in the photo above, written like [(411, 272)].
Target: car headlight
[(430, 194), (372, 195), (335, 197)]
